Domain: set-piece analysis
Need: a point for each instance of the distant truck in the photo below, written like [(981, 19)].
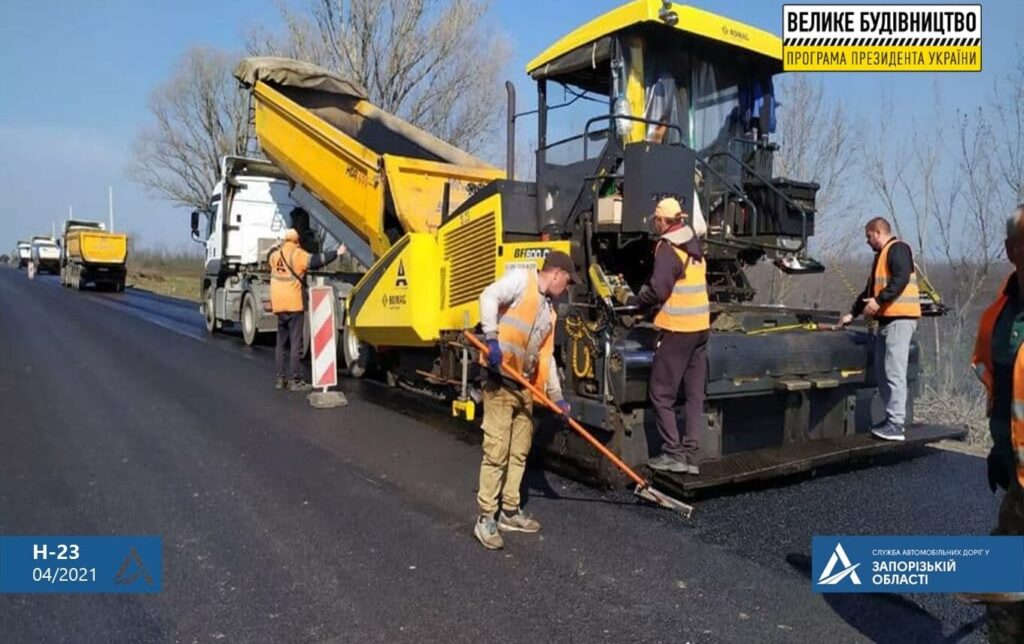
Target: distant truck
[(46, 254), (93, 256), (250, 210), (24, 253)]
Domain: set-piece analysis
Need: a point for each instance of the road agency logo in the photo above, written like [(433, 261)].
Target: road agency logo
[(831, 577), (876, 37)]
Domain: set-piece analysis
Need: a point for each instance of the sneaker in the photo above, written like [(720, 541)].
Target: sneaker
[(517, 522), (889, 432), (693, 464), (281, 383), (486, 532), (665, 463), (298, 384)]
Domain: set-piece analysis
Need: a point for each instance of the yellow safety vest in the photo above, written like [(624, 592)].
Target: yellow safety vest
[(515, 326), (908, 303), (688, 309)]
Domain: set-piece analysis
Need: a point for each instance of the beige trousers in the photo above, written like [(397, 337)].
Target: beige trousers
[(508, 434)]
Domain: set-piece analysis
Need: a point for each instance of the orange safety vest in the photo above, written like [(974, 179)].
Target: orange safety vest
[(285, 289), (515, 326), (908, 303), (982, 363), (688, 309)]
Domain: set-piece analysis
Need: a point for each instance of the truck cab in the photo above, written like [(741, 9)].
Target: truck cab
[(248, 213), (46, 254), (24, 253)]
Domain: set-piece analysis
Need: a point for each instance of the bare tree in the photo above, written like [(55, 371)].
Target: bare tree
[(1008, 104), (945, 191), (200, 116), (820, 142), (434, 63)]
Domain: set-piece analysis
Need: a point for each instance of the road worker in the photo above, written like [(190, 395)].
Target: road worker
[(289, 264), (892, 298), (518, 319), (678, 290), (999, 363)]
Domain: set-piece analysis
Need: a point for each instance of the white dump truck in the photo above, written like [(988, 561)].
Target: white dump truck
[(249, 212)]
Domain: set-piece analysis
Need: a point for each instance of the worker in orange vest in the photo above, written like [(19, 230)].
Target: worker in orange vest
[(893, 299), (999, 363), (289, 263), (518, 320), (678, 288)]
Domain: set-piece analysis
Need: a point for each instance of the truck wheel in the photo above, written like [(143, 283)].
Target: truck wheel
[(249, 331), (119, 286), (212, 323), (357, 354)]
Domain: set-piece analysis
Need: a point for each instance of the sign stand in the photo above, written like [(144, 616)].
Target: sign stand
[(324, 349)]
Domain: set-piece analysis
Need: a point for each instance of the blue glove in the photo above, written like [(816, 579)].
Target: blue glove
[(494, 354), (564, 406)]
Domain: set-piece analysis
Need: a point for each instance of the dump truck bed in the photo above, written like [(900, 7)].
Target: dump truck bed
[(96, 246), (378, 174)]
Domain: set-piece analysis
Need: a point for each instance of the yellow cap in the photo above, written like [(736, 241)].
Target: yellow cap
[(668, 208)]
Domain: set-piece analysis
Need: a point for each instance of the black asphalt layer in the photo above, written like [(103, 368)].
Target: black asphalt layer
[(282, 523)]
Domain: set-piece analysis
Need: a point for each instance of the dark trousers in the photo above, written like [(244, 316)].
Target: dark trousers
[(680, 366), (289, 339)]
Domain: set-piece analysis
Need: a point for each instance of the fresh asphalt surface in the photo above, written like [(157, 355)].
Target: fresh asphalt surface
[(287, 524)]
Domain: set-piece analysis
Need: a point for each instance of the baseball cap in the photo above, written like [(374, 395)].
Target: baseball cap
[(558, 259), (668, 208)]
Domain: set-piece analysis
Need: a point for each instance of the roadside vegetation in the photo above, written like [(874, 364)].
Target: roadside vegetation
[(172, 273)]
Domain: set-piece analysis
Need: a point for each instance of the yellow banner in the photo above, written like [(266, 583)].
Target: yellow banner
[(878, 59)]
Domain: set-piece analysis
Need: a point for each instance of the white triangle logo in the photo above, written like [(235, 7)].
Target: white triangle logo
[(849, 569)]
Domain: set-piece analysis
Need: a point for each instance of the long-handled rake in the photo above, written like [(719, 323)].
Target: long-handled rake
[(644, 489)]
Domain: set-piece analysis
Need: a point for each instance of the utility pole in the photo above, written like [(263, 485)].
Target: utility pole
[(110, 200)]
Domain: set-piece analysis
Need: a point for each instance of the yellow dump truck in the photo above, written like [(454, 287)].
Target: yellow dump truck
[(91, 255)]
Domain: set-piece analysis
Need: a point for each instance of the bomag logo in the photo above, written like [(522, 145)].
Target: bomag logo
[(732, 32), (531, 253), (393, 301)]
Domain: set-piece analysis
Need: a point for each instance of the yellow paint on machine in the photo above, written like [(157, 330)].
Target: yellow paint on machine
[(690, 20), (352, 180), (417, 188), (96, 247), (429, 284), (399, 298)]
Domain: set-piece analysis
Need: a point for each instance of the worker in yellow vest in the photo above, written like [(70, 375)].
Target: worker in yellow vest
[(518, 319), (999, 363), (893, 299), (289, 263), (678, 289)]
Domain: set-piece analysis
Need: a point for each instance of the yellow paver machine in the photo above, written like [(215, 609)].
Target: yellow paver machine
[(667, 100)]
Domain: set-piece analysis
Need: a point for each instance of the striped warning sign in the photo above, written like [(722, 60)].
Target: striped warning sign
[(322, 331)]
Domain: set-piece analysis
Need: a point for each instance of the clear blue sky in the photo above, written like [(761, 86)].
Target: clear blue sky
[(77, 76)]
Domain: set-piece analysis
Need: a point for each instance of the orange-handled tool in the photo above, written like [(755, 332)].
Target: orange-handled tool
[(644, 489)]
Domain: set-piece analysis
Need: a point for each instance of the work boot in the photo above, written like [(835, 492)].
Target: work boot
[(486, 532), (666, 463), (281, 383), (298, 384), (889, 432), (517, 521)]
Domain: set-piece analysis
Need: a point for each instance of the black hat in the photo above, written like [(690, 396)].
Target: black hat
[(558, 259)]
